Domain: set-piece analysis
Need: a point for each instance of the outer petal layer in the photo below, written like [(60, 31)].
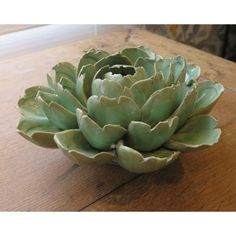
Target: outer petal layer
[(198, 131), (38, 131), (137, 162), (75, 146), (208, 94)]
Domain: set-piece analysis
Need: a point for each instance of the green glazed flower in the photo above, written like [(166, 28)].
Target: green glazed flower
[(133, 108)]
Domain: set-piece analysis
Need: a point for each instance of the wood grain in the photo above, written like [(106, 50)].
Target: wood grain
[(37, 179)]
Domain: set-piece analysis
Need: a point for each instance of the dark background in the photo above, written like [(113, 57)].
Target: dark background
[(216, 39)]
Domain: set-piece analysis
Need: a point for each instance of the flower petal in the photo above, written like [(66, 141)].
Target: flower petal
[(75, 146), (147, 64), (79, 114), (29, 107), (137, 162), (144, 138), (65, 69), (192, 74), (124, 81), (106, 87), (139, 74), (91, 57), (32, 91), (185, 109), (100, 138), (134, 53), (116, 77), (208, 93), (198, 131), (57, 114), (67, 84), (151, 55), (83, 83), (48, 97), (178, 67), (39, 131), (68, 100), (143, 89), (106, 110), (51, 78), (163, 66), (160, 105), (61, 117)]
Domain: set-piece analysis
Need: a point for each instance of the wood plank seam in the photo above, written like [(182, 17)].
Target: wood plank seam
[(120, 186)]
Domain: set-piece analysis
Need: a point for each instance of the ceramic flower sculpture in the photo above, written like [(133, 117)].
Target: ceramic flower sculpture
[(133, 108)]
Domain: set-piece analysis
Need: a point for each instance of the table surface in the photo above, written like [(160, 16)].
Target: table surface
[(37, 179)]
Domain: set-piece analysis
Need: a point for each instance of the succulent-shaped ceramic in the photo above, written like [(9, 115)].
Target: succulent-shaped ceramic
[(133, 108)]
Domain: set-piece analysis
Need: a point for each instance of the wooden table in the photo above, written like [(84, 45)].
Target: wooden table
[(37, 179)]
